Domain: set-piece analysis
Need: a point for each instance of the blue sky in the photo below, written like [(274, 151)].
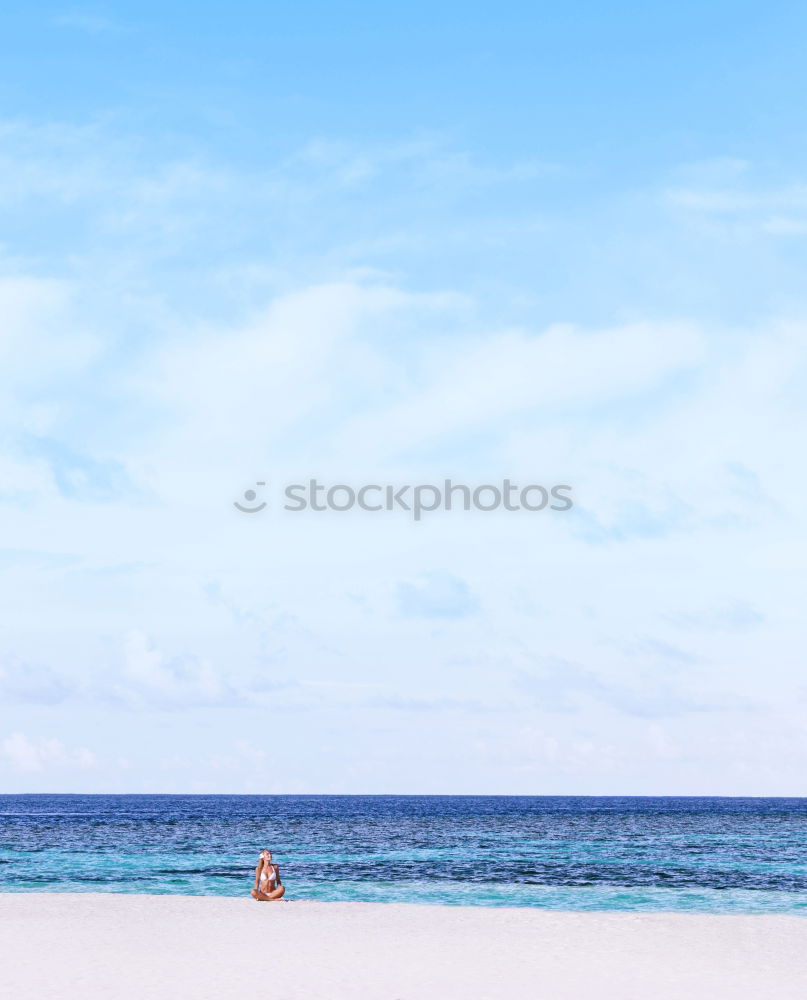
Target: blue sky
[(374, 245)]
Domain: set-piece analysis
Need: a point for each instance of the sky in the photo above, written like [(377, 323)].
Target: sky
[(261, 243)]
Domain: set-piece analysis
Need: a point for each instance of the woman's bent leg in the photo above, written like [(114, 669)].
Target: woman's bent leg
[(269, 897)]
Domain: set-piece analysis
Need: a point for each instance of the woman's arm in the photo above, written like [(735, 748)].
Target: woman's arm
[(277, 875), (258, 875)]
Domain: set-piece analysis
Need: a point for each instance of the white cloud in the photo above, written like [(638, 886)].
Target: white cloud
[(34, 683), (147, 677), (27, 755), (783, 225), (38, 338), (500, 376), (727, 196), (436, 595), (681, 440), (90, 22)]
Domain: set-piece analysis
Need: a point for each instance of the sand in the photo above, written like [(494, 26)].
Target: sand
[(117, 946)]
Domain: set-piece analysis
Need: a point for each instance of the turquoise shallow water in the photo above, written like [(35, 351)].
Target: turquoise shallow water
[(673, 854)]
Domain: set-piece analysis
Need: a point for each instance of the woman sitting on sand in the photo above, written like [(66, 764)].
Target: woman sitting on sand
[(268, 886)]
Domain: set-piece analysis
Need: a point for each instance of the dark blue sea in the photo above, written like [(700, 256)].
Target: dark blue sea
[(708, 855)]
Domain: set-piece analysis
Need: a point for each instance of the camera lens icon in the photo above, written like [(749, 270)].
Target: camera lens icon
[(251, 496)]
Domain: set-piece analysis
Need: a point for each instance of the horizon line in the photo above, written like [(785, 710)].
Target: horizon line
[(403, 795)]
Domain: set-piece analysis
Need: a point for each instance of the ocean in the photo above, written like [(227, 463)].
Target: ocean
[(707, 855)]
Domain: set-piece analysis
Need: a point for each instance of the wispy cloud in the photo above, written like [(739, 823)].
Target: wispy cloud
[(179, 325), (561, 686), (33, 683), (436, 595), (736, 616), (402, 703), (730, 194), (90, 21), (27, 755)]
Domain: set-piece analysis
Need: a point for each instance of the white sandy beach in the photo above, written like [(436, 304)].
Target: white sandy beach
[(117, 946)]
